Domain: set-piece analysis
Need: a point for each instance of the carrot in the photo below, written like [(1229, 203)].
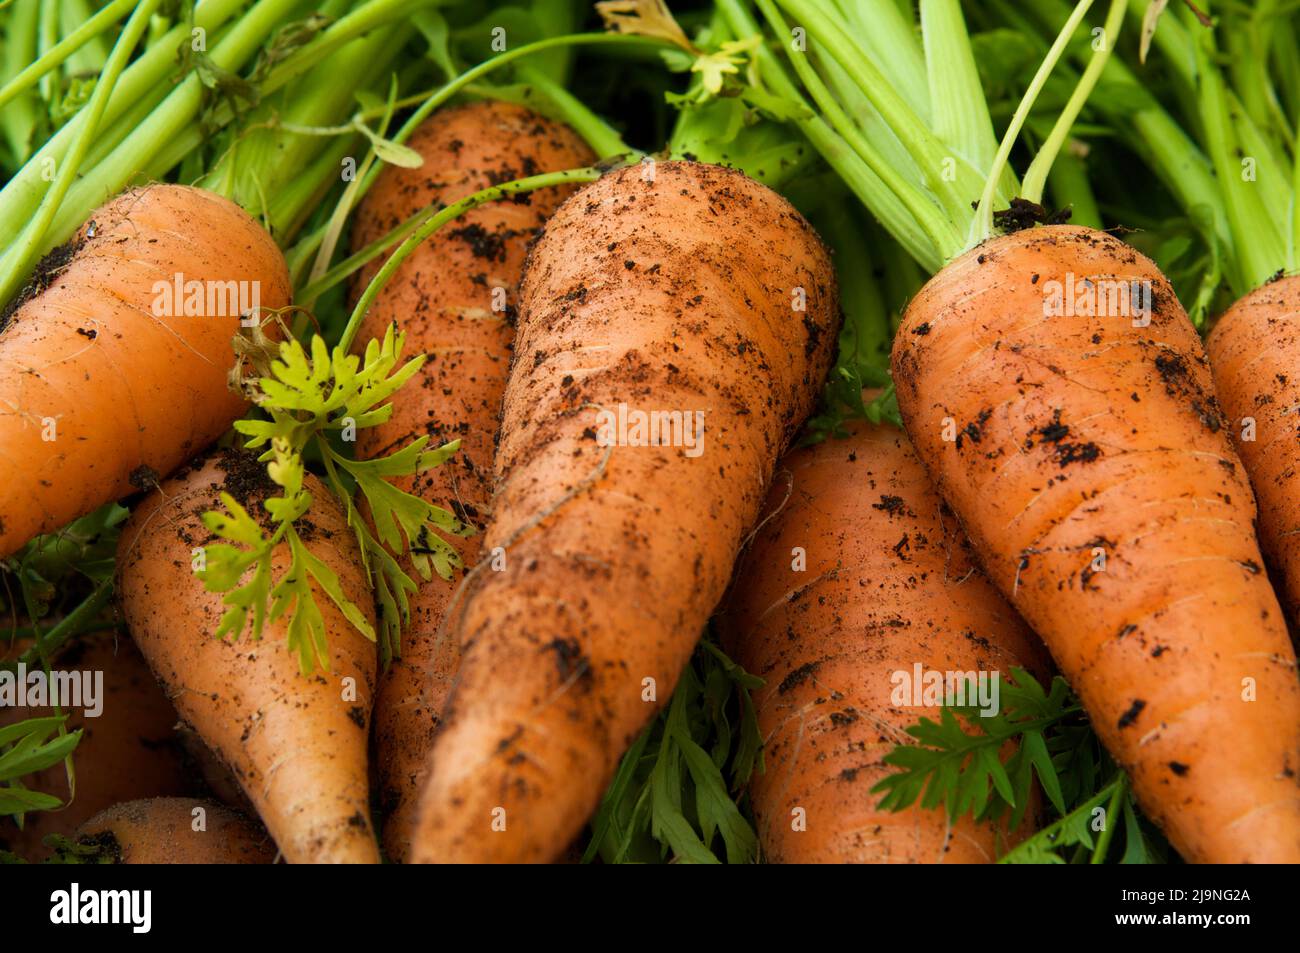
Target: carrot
[(176, 830), (1088, 460), (1255, 354), (101, 317), (297, 745), (443, 297), (693, 289), (128, 750), (859, 574)]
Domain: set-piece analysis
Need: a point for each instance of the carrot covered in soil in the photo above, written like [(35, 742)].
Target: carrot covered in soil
[(128, 750), (1090, 463), (688, 289), (443, 298), (101, 316), (1255, 355), (176, 830), (887, 581), (297, 743)]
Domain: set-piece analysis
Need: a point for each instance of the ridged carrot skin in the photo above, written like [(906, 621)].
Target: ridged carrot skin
[(297, 744), (1255, 355), (443, 298), (1090, 463), (163, 831), (99, 321), (860, 574), (673, 291)]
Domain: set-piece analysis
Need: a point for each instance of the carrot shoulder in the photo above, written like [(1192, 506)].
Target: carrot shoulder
[(296, 743), (455, 298), (860, 574), (109, 376), (688, 289), (1088, 459)]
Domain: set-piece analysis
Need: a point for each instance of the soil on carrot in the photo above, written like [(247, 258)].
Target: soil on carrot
[(47, 270), (246, 478), (1024, 214)]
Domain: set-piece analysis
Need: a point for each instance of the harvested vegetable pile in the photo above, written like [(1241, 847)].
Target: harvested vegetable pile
[(784, 431)]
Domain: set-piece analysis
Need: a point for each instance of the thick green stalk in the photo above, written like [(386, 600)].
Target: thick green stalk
[(1293, 247), (47, 38), (889, 37), (64, 49), (945, 238), (1158, 138), (150, 72), (90, 57), (18, 120), (173, 117), (20, 259), (959, 112), (855, 173), (1259, 245), (926, 149), (866, 318), (268, 159)]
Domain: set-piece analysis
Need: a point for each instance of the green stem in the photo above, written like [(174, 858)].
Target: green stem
[(946, 238), (93, 27), (982, 227), (1036, 177), (76, 621), (597, 133), (1046, 835), (442, 95), (441, 218), (921, 143), (1070, 188), (19, 120), (23, 193), (1113, 817), (1259, 245), (19, 261), (855, 173), (1294, 249)]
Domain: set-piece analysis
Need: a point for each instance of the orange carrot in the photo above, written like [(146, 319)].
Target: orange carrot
[(684, 288), (114, 361), (1255, 355), (1088, 460), (128, 750), (860, 574), (176, 830), (443, 297), (297, 744)]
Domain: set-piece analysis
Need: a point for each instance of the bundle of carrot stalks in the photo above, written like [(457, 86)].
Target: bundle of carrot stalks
[(801, 454)]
